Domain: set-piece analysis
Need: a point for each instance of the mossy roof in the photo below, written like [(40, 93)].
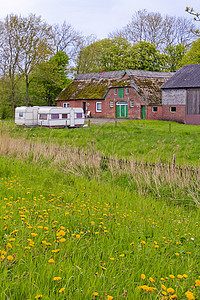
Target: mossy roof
[(95, 85)]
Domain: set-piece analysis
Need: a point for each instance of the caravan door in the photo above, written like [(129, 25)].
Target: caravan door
[(72, 118)]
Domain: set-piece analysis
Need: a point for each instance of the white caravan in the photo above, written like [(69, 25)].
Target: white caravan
[(48, 116)]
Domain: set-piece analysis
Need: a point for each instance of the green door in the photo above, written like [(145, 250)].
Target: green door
[(143, 112), (122, 110)]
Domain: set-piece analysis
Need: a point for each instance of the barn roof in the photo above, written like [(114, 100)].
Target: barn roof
[(95, 85), (187, 77)]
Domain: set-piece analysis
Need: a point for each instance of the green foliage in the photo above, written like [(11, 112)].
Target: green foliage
[(193, 55), (49, 78), (175, 55)]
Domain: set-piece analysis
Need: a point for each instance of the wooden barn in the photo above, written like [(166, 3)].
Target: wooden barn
[(117, 94), (181, 96)]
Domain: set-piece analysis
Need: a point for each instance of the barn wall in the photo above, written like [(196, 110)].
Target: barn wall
[(178, 116), (174, 97), (154, 115), (192, 119)]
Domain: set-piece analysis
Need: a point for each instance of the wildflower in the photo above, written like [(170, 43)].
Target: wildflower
[(143, 242), (172, 276), (10, 257), (180, 276), (163, 287), (170, 290), (177, 254), (9, 245), (109, 297), (62, 240), (151, 279), (173, 297), (131, 243), (103, 268), (61, 290), (111, 258), (51, 260), (38, 296), (164, 293), (189, 295), (55, 251), (185, 276), (197, 283), (56, 278), (78, 236), (143, 276), (95, 294), (34, 234)]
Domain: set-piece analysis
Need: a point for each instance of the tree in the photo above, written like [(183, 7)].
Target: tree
[(193, 55), (35, 46), (175, 55), (154, 28), (49, 78), (10, 35), (196, 15)]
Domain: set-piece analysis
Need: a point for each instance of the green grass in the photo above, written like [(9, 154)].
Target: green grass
[(96, 226), (110, 235), (154, 143)]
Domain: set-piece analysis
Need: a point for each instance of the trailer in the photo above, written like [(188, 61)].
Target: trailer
[(26, 116), (49, 116)]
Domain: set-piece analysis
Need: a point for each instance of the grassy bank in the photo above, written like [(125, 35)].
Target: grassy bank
[(70, 237), (150, 141)]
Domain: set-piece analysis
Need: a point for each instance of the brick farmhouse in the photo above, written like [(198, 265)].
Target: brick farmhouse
[(117, 94), (137, 94)]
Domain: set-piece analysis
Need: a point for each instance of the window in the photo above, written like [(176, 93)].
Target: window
[(99, 107), (154, 109), (66, 104), (21, 114), (79, 115), (127, 91), (111, 103), (115, 91), (64, 116), (54, 116), (121, 93), (173, 109), (131, 103), (43, 116)]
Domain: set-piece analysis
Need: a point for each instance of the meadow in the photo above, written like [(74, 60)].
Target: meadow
[(76, 226)]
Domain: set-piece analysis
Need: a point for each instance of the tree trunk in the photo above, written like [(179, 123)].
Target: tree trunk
[(27, 86)]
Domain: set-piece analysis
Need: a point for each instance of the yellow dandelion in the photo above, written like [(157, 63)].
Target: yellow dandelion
[(170, 290), (56, 278), (163, 287), (172, 276), (121, 255), (197, 283), (38, 297), (103, 268), (55, 251), (109, 297), (143, 276), (177, 254), (190, 295), (61, 290), (179, 276), (62, 240), (78, 236), (95, 294), (151, 279), (51, 260), (185, 276), (111, 258), (10, 257)]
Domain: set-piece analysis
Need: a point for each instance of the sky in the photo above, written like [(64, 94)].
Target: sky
[(92, 16)]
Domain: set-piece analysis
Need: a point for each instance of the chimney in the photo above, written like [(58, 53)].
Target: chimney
[(101, 71)]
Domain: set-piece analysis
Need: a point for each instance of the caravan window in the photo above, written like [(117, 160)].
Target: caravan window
[(21, 114), (42, 116), (54, 116), (65, 116), (79, 115)]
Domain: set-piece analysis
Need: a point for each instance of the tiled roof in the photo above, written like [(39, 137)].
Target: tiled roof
[(186, 77)]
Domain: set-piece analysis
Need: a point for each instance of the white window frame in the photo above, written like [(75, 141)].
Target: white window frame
[(111, 103), (172, 110), (127, 91), (131, 103), (66, 104), (98, 110), (154, 108)]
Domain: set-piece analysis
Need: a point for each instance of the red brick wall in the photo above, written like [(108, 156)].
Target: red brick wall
[(178, 116), (107, 111), (154, 115)]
